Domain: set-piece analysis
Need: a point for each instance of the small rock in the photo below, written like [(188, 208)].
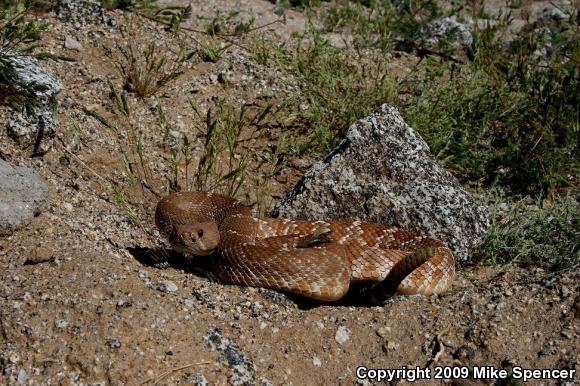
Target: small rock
[(390, 346), (265, 382), (201, 380), (22, 196), (72, 44), (14, 358), (213, 78), (113, 343), (123, 304), (383, 332), (316, 361), (242, 368), (166, 286), (22, 376), (567, 334), (60, 324), (564, 292), (342, 335), (548, 349), (40, 254), (67, 206)]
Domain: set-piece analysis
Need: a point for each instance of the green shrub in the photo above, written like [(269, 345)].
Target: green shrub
[(533, 233), (337, 89), (496, 113), (510, 115)]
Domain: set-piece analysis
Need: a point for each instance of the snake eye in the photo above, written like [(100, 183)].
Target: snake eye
[(200, 232)]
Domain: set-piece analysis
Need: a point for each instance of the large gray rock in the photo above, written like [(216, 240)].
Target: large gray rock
[(384, 172), (22, 196), (38, 127)]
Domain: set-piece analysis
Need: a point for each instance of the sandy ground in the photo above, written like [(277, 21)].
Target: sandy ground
[(89, 295)]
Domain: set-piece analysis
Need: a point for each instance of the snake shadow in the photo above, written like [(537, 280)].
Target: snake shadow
[(163, 258), (167, 258)]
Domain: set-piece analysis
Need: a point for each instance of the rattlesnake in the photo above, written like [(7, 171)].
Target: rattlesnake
[(314, 259)]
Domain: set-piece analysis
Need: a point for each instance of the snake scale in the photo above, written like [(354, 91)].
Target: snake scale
[(315, 259)]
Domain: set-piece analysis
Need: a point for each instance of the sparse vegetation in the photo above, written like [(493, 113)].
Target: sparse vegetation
[(147, 70), (530, 232), (500, 114), (224, 161), (211, 52), (508, 116), (338, 88)]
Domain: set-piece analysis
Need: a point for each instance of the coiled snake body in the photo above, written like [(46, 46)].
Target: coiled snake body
[(315, 259)]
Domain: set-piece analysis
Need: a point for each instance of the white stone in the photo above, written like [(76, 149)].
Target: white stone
[(342, 335)]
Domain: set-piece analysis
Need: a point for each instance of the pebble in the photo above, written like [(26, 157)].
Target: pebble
[(564, 291), (548, 349), (122, 304), (113, 343), (67, 206), (226, 78), (71, 43), (201, 380), (166, 286), (390, 346), (567, 334), (316, 361), (342, 335), (265, 382), (22, 376), (60, 323), (39, 255), (188, 303), (383, 332)]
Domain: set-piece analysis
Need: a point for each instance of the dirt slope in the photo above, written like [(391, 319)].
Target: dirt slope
[(84, 298)]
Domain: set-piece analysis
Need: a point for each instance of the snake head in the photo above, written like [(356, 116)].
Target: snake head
[(199, 239)]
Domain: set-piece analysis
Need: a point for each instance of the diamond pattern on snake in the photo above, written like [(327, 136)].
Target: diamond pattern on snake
[(314, 259)]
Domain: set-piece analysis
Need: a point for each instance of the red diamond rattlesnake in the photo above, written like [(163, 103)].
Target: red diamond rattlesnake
[(315, 259)]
